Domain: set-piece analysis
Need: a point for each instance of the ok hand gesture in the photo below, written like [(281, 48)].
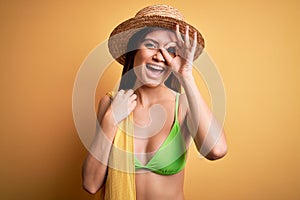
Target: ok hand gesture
[(182, 63)]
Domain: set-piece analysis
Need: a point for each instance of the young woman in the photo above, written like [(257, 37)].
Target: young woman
[(157, 49)]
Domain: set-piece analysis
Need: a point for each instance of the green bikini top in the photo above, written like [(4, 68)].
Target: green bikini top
[(170, 158)]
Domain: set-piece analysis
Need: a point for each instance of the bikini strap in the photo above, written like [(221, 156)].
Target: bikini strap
[(176, 105)]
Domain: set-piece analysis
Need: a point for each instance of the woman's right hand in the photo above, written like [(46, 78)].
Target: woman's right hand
[(123, 104)]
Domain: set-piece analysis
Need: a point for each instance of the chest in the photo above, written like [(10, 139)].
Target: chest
[(152, 127)]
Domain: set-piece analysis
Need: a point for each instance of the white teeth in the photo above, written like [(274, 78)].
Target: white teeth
[(155, 67)]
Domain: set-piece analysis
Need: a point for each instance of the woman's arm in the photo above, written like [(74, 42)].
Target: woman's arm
[(109, 116), (95, 165), (207, 132)]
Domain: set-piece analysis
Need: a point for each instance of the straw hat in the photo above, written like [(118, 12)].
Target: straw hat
[(163, 16)]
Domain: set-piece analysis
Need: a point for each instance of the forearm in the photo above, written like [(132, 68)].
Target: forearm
[(95, 165), (207, 132)]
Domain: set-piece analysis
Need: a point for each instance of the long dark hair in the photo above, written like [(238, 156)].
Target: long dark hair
[(128, 76)]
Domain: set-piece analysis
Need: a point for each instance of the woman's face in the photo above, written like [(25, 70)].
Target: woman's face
[(150, 66)]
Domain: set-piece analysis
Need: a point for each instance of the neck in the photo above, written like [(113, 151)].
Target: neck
[(149, 95)]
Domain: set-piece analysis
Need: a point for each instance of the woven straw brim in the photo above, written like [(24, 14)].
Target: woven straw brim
[(118, 40)]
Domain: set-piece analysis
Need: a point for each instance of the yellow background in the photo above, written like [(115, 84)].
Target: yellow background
[(255, 45)]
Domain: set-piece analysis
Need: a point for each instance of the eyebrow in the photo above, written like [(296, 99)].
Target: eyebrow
[(154, 41), (146, 39)]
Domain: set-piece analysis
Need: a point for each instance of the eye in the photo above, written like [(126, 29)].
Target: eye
[(172, 50), (150, 45)]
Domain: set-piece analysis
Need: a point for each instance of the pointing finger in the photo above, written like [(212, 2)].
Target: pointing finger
[(167, 56)]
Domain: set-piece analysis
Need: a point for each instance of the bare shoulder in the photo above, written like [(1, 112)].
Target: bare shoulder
[(104, 101), (103, 105)]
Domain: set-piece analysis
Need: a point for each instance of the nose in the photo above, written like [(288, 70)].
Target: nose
[(158, 56)]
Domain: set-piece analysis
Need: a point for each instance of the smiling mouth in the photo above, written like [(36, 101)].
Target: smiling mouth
[(155, 68)]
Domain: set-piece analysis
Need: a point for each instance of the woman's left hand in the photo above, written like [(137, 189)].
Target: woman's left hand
[(182, 63)]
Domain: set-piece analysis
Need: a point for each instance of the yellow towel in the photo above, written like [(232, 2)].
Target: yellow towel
[(120, 182)]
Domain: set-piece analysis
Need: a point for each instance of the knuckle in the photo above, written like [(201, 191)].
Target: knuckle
[(121, 91)]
